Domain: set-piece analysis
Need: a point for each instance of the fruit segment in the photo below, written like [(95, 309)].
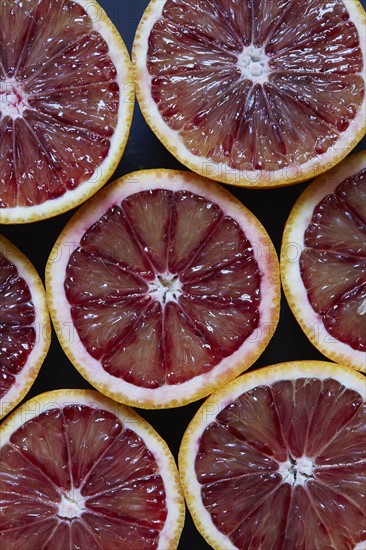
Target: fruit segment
[(224, 246), (224, 326), (138, 358), (112, 239), (280, 82), (333, 262), (270, 466), (148, 213), (156, 302), (189, 211), (353, 192), (79, 473), (329, 275), (90, 278), (102, 326)]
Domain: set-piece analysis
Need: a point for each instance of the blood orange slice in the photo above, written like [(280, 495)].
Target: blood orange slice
[(323, 262), (253, 93), (66, 102), (162, 288), (276, 459), (25, 331), (79, 471)]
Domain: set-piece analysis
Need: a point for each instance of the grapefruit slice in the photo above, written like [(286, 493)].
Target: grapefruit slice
[(323, 262), (66, 102), (79, 471), (253, 93), (25, 331), (162, 288), (276, 459)]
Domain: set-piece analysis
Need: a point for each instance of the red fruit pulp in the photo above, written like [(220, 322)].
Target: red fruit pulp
[(17, 317), (333, 263), (77, 477), (58, 100), (284, 466), (155, 302)]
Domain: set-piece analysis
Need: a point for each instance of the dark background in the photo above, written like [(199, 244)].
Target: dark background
[(143, 150)]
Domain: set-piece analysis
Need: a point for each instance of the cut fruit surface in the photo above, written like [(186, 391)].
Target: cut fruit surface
[(276, 459), (66, 102), (253, 93), (323, 262), (25, 331), (168, 289), (77, 470)]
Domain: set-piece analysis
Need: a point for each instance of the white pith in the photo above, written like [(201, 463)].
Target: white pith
[(72, 504), (292, 247), (42, 327), (13, 99), (130, 420), (253, 64), (165, 288), (72, 198), (296, 472), (226, 395), (55, 276), (221, 171)]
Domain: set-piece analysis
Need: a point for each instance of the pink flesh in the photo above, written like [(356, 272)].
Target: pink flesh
[(17, 317), (79, 447), (119, 321), (63, 67), (333, 264), (238, 460), (313, 92)]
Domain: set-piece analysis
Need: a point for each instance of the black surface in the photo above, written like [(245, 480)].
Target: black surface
[(145, 151)]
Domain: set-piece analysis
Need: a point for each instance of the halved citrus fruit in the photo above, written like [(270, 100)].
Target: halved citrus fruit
[(66, 102), (323, 262), (253, 93), (25, 331), (162, 288), (276, 460), (77, 470)]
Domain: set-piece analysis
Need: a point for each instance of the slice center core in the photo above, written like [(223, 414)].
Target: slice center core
[(72, 504), (297, 471), (13, 99), (165, 288), (253, 64)]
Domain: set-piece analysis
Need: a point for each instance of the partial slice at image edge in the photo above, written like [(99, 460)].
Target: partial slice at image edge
[(25, 325), (252, 73), (63, 125), (323, 262), (277, 454), (99, 476)]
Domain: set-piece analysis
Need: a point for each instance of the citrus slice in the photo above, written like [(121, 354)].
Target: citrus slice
[(77, 470), (66, 102), (323, 262), (25, 331), (253, 93), (162, 288), (276, 459)]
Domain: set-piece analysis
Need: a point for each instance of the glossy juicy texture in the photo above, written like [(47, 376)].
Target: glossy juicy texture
[(17, 317), (58, 100), (254, 502), (87, 456), (155, 302), (333, 263), (279, 81)]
